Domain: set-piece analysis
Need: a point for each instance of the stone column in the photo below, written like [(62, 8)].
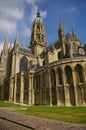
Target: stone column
[(84, 73), (75, 87), (41, 86), (21, 89), (50, 89), (15, 82), (32, 89), (29, 89), (66, 90), (57, 89), (11, 90), (13, 65)]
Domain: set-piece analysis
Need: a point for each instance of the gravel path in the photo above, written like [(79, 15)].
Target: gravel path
[(38, 123), (6, 125)]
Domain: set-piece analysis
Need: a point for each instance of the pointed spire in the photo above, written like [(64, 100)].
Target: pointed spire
[(73, 33), (38, 13), (5, 47), (16, 41), (60, 24), (10, 47)]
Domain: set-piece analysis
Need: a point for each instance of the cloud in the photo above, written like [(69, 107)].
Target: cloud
[(10, 13), (43, 14), (27, 32), (7, 26), (1, 46), (71, 9), (33, 14), (14, 12), (32, 2)]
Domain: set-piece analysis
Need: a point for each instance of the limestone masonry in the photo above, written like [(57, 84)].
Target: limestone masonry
[(43, 74)]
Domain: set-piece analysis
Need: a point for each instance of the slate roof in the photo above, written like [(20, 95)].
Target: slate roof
[(25, 50)]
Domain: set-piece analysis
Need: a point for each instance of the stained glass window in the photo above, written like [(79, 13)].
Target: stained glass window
[(23, 64)]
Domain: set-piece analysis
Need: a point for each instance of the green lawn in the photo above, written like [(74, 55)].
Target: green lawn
[(67, 114), (8, 104)]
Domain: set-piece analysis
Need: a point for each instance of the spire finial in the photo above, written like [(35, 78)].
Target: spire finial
[(6, 43), (73, 32), (38, 13), (60, 24)]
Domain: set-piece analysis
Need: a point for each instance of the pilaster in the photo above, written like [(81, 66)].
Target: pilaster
[(58, 92), (15, 83), (11, 90), (21, 89), (29, 90), (50, 89), (75, 87), (66, 90)]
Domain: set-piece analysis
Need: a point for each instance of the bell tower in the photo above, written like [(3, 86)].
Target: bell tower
[(38, 37)]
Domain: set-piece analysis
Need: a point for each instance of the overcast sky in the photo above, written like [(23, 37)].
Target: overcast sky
[(17, 16)]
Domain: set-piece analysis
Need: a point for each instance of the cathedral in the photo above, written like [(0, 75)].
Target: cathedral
[(43, 74)]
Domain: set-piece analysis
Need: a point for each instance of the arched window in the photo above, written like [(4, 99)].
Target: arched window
[(30, 64), (53, 88), (68, 73), (74, 47), (60, 55), (60, 78), (67, 50), (37, 82), (79, 75), (53, 80), (23, 64)]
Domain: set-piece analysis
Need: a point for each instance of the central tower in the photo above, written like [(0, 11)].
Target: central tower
[(38, 37)]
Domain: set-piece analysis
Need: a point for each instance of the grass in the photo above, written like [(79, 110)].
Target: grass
[(8, 104), (66, 114)]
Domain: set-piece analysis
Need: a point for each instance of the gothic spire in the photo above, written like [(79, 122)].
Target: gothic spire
[(16, 41), (5, 47), (10, 47), (73, 32), (60, 24), (38, 13)]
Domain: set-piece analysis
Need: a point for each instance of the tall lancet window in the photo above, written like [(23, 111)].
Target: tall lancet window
[(23, 64)]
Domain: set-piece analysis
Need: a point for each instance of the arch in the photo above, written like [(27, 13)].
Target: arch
[(26, 90), (69, 80), (60, 78), (68, 73), (30, 63), (23, 64), (47, 83), (79, 73), (60, 55), (53, 87), (79, 79), (18, 90), (74, 47), (37, 80), (60, 87)]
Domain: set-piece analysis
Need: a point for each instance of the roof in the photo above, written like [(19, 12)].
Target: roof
[(38, 18), (25, 50)]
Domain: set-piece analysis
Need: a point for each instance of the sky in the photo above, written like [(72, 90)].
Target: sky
[(17, 16)]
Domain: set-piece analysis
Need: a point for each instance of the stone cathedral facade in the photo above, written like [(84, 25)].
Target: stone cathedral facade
[(43, 74)]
